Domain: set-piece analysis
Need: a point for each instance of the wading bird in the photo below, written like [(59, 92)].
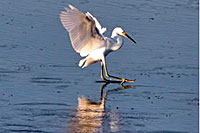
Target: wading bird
[(86, 35)]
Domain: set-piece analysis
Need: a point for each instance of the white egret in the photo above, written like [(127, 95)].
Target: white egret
[(86, 35)]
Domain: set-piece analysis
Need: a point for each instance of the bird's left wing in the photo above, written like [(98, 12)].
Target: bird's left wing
[(84, 35), (98, 25)]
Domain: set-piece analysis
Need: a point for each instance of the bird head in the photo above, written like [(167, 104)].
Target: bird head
[(119, 31)]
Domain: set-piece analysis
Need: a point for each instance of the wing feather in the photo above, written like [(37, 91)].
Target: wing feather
[(84, 35)]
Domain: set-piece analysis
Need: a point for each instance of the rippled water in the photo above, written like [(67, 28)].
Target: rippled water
[(42, 89)]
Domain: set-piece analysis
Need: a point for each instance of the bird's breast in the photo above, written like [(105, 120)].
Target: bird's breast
[(98, 53)]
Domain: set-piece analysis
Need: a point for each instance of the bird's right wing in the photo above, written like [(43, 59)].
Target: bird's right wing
[(83, 32)]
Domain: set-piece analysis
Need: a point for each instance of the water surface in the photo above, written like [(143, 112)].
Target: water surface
[(42, 89)]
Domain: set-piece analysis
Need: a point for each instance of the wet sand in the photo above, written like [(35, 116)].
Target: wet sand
[(42, 89)]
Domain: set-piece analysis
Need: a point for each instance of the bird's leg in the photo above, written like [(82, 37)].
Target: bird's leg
[(123, 80), (102, 89), (102, 76)]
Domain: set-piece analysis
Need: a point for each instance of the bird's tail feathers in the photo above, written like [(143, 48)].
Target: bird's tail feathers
[(86, 62), (82, 62)]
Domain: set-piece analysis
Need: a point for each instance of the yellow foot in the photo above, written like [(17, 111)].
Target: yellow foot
[(126, 80)]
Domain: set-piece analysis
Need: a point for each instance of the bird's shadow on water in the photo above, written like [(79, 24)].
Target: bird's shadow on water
[(92, 116)]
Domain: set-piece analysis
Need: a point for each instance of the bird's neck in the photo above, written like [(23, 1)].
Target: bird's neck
[(118, 44)]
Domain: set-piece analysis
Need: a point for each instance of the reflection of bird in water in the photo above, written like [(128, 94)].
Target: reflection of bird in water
[(87, 38), (93, 117), (89, 117)]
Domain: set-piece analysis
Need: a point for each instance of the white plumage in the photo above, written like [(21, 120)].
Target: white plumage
[(86, 35)]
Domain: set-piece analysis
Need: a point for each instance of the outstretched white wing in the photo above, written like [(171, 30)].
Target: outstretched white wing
[(84, 35), (98, 25)]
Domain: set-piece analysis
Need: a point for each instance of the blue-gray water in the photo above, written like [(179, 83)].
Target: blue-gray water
[(40, 81)]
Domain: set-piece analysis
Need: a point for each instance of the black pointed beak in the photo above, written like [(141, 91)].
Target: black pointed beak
[(127, 36)]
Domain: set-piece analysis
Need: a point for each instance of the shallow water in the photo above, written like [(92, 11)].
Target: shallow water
[(42, 89)]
